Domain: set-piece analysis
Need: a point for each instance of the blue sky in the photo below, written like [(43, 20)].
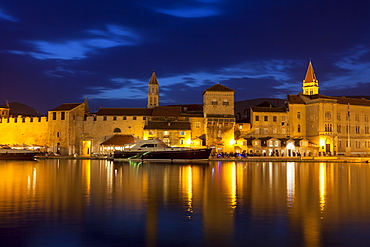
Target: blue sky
[(61, 51)]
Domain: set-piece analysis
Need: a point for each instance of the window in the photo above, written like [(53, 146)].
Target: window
[(347, 129), (274, 130), (114, 118), (257, 131), (366, 129), (165, 133), (144, 118), (298, 115), (105, 118), (274, 118), (62, 115), (266, 118), (328, 114), (117, 130), (54, 116), (299, 128), (339, 128), (182, 133), (257, 118), (282, 118), (266, 131), (58, 134), (197, 125), (124, 118), (23, 120), (240, 126), (357, 117), (182, 141), (133, 118), (357, 129), (338, 116), (151, 132), (214, 102), (271, 143), (225, 102), (366, 118)]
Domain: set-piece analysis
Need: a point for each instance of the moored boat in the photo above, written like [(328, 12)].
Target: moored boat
[(158, 150), (8, 153)]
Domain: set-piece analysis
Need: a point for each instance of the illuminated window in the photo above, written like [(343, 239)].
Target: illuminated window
[(165, 133)]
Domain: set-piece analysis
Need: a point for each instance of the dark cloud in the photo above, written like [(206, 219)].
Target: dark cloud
[(53, 52)]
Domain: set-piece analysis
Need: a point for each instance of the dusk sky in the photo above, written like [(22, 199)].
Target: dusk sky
[(61, 51)]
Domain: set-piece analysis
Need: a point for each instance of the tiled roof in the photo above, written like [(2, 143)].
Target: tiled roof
[(298, 99), (66, 107), (295, 99), (168, 125), (310, 74), (153, 79), (191, 108), (268, 109), (118, 140), (219, 88), (172, 111), (125, 111)]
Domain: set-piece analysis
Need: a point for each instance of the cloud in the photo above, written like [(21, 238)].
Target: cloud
[(189, 12), (276, 70), (6, 17), (112, 36), (353, 69)]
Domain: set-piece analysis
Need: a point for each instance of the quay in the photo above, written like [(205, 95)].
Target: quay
[(326, 159)]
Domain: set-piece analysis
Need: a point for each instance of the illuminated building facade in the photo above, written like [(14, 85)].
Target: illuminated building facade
[(310, 124)]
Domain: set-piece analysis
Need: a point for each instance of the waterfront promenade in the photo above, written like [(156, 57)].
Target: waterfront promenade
[(327, 159)]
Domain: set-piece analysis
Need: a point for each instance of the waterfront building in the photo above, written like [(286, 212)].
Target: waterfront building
[(307, 124)]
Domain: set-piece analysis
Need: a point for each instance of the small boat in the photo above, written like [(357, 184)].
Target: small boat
[(8, 153), (157, 150)]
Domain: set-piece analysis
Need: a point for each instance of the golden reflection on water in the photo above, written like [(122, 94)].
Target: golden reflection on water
[(311, 198)]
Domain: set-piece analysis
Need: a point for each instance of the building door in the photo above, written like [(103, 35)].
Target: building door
[(327, 148), (86, 148)]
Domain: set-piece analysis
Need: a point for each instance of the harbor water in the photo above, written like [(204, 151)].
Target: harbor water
[(67, 202)]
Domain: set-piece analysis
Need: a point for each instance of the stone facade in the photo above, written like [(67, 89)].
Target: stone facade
[(309, 124)]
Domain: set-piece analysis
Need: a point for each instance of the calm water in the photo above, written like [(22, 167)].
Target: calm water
[(104, 203)]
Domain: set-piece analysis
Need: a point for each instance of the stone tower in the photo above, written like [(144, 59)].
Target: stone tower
[(310, 83), (153, 91)]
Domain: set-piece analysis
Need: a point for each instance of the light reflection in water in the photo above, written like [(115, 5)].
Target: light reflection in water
[(220, 203), (290, 182)]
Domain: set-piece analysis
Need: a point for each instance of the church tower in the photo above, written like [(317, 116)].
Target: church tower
[(310, 83), (153, 91)]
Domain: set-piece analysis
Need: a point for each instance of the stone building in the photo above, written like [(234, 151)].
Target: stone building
[(70, 129), (308, 124)]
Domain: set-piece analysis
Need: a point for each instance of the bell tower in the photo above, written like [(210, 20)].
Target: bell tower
[(153, 91), (310, 83)]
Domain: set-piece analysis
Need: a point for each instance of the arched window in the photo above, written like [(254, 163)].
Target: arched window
[(117, 130)]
